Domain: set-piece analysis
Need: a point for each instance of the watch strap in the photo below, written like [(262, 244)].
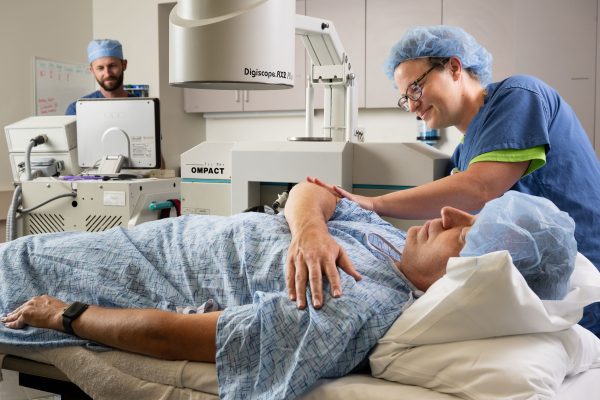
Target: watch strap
[(70, 314)]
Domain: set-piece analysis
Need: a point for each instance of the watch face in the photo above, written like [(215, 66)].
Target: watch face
[(75, 309), (71, 314)]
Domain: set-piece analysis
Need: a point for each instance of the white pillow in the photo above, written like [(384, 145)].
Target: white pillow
[(480, 332)]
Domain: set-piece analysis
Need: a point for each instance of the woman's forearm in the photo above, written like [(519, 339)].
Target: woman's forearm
[(468, 190)]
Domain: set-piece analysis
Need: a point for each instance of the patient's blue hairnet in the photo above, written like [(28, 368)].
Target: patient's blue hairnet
[(441, 41), (539, 237)]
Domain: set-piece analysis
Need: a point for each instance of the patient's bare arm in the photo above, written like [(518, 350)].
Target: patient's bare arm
[(313, 252), (151, 332)]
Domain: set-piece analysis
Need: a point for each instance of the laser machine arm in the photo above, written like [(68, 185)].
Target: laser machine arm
[(331, 68)]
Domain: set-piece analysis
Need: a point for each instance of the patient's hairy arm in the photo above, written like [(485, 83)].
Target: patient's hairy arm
[(151, 332), (313, 252)]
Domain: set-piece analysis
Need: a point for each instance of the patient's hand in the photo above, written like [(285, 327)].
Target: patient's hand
[(312, 254), (41, 311), (363, 201)]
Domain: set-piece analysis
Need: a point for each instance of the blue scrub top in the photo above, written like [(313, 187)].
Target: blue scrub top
[(72, 110), (522, 112)]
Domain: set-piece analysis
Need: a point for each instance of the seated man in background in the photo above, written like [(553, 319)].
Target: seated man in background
[(108, 66), (262, 343)]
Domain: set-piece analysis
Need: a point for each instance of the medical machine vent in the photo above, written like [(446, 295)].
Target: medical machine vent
[(45, 223), (99, 223)]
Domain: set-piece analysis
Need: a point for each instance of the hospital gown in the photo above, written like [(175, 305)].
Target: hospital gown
[(266, 347)]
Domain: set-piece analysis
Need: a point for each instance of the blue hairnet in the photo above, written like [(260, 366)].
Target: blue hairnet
[(539, 237), (104, 48), (441, 41)]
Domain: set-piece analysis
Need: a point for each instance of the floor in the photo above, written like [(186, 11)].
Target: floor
[(9, 387)]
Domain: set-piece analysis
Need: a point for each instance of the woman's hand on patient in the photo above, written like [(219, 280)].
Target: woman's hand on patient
[(41, 311), (363, 201), (312, 255)]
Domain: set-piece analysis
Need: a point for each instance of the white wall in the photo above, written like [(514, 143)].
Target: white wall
[(53, 29)]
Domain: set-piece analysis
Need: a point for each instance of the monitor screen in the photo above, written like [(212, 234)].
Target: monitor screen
[(129, 127)]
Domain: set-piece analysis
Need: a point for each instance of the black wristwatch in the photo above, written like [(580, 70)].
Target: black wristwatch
[(70, 314)]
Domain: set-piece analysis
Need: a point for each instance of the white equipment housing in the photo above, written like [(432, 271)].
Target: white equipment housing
[(220, 44), (224, 178), (254, 163), (98, 205), (61, 145)]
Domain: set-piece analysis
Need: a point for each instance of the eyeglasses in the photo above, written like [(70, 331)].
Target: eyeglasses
[(415, 90)]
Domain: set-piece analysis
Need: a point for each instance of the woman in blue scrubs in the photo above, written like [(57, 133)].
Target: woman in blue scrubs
[(519, 134)]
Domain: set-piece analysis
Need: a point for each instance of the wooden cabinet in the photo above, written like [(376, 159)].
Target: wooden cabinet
[(554, 40), (387, 20), (204, 100)]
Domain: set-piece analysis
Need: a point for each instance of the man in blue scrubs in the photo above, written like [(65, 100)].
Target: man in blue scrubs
[(519, 134), (108, 66)]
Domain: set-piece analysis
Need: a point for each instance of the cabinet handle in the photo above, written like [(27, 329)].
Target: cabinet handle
[(247, 96), (237, 96)]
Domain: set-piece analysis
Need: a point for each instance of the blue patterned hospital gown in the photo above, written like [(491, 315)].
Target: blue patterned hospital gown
[(267, 348)]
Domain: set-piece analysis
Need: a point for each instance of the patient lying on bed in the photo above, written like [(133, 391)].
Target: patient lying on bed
[(263, 344)]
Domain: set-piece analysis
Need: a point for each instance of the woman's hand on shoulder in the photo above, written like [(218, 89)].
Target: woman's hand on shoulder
[(363, 201)]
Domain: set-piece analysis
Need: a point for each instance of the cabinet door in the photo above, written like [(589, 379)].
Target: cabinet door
[(284, 99), (206, 100), (387, 20), (348, 17), (554, 40)]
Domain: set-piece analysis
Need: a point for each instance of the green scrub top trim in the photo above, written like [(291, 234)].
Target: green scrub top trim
[(537, 156)]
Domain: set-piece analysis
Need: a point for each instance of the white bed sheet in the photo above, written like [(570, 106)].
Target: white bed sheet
[(134, 376), (358, 387)]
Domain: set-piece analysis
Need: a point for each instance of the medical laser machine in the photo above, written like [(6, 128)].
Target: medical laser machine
[(223, 178), (213, 45), (110, 134)]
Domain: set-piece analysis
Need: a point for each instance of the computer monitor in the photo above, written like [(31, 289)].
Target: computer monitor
[(123, 128)]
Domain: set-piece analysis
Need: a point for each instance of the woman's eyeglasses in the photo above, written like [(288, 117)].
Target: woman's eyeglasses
[(415, 90)]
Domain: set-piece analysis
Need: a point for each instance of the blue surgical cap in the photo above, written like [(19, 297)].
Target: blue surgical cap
[(539, 237), (104, 48), (441, 41)]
